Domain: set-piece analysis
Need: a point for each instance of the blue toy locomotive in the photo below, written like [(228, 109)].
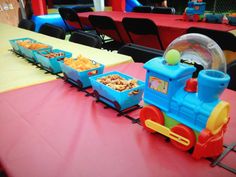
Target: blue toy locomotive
[(194, 11), (185, 109)]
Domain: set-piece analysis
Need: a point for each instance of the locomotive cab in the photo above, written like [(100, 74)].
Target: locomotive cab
[(163, 80)]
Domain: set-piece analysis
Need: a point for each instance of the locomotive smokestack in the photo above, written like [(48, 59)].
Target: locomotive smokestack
[(211, 83)]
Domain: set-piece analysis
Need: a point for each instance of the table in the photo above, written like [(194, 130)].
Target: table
[(17, 72), (170, 26), (61, 132)]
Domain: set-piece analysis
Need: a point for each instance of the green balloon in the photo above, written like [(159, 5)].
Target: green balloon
[(172, 57)]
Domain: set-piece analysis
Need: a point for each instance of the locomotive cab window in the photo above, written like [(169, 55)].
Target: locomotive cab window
[(158, 84)]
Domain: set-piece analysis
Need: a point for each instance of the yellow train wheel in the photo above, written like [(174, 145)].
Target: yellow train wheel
[(218, 118)]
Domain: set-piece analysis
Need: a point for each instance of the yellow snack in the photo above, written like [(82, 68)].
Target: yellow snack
[(81, 63), (29, 45)]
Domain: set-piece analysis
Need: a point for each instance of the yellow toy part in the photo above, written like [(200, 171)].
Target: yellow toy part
[(166, 132), (218, 118)]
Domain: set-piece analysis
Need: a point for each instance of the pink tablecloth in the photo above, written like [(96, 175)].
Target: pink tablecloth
[(52, 130)]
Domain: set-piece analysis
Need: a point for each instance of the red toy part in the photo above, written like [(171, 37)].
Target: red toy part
[(118, 5), (196, 18), (152, 113), (191, 85), (208, 145), (185, 17), (39, 7), (185, 132)]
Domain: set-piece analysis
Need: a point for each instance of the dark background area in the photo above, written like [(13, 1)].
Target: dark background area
[(179, 5)]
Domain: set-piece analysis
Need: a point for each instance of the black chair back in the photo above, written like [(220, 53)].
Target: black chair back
[(163, 10), (142, 9), (223, 39), (27, 24), (52, 30), (70, 18), (105, 25), (231, 70), (140, 53), (86, 38), (102, 22), (142, 27)]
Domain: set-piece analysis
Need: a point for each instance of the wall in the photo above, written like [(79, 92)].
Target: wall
[(11, 13)]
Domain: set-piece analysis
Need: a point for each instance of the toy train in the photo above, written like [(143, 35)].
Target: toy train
[(182, 108), (186, 110), (194, 11)]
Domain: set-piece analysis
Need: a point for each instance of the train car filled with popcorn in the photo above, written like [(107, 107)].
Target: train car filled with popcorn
[(188, 110), (117, 90)]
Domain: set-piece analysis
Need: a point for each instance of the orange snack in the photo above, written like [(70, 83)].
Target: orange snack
[(26, 43), (81, 63), (30, 45), (232, 14)]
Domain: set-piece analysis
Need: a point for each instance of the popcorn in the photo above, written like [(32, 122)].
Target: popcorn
[(53, 55), (118, 83)]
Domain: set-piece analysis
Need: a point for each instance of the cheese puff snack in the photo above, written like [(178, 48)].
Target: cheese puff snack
[(36, 46), (30, 45), (81, 63), (26, 43)]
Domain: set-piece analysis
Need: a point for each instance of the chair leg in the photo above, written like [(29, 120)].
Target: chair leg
[(67, 27)]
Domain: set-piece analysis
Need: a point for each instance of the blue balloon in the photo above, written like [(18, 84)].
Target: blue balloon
[(130, 4), (54, 19)]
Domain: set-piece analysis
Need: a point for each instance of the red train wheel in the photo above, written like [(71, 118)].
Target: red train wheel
[(152, 113), (186, 133), (196, 18)]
